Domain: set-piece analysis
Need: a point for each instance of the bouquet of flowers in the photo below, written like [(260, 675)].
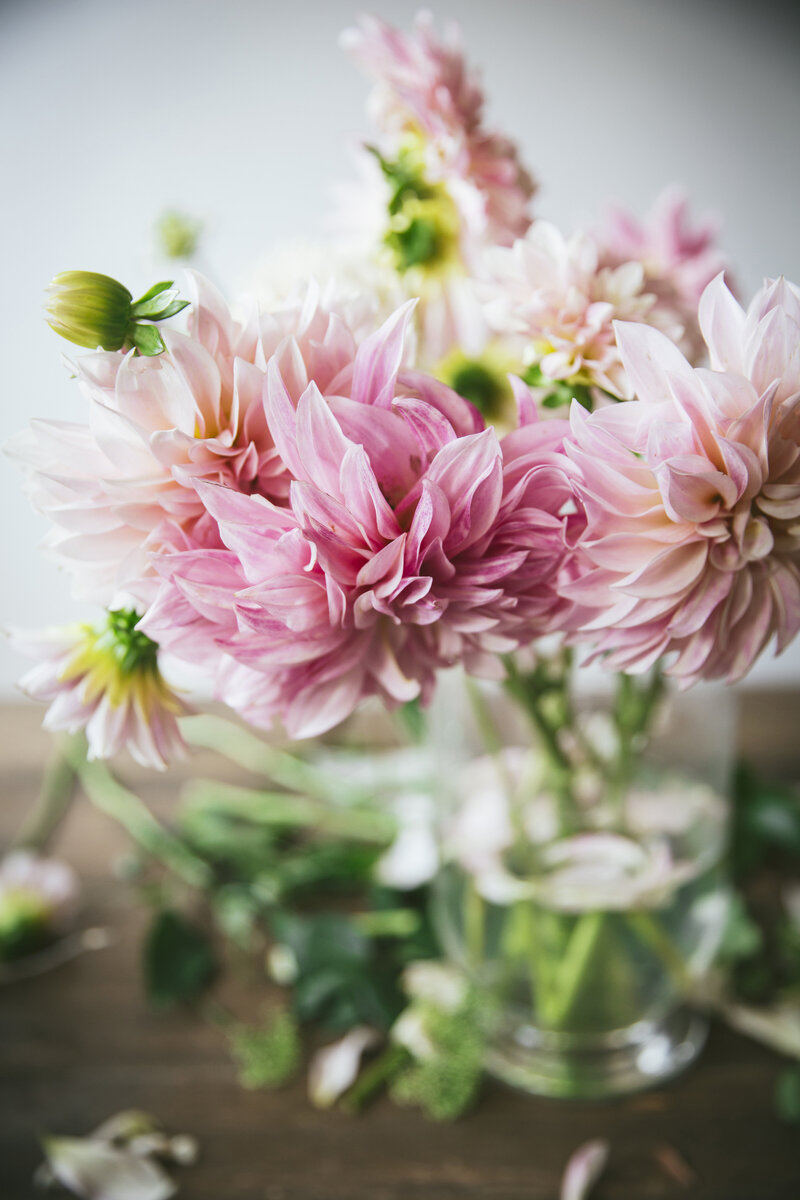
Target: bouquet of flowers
[(452, 437)]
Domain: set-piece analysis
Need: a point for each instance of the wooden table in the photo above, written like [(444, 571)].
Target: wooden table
[(79, 1044)]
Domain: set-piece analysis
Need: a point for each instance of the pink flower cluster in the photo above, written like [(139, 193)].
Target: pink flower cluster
[(549, 297), (284, 503), (412, 539), (424, 87), (692, 494), (678, 261), (120, 490)]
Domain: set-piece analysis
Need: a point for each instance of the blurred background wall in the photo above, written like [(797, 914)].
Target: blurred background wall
[(239, 112)]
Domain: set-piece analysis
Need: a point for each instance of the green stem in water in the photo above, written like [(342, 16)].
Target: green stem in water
[(474, 923), (570, 971), (54, 799), (530, 696), (652, 935), (109, 796), (634, 710)]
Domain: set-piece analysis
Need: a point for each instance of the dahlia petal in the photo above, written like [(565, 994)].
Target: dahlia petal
[(282, 420), (648, 356), (379, 358), (672, 571), (320, 708), (321, 445), (722, 325), (362, 496)]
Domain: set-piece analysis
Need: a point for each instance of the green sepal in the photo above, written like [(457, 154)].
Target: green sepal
[(561, 392), (154, 291), (147, 340)]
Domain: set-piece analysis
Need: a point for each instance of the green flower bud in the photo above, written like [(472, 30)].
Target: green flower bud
[(178, 234), (89, 309), (94, 310)]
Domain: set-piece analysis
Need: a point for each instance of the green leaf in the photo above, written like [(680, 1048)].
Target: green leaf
[(766, 818), (413, 717), (787, 1095), (343, 978), (179, 962), (147, 340), (155, 290), (171, 310), (742, 937)]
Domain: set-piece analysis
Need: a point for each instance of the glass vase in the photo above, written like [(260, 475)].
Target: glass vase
[(584, 888)]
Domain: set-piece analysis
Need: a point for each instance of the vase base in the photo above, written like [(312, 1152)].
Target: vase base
[(642, 1057)]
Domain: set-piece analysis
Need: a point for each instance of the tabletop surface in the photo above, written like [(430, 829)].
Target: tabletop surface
[(80, 1043)]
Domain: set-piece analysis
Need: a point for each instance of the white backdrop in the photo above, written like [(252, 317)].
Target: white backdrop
[(237, 112)]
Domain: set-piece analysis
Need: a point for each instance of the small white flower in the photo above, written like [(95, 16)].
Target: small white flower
[(282, 964), (98, 1171), (409, 1030), (334, 1069), (435, 983), (413, 857)]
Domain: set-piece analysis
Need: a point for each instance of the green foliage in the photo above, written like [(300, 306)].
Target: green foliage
[(414, 721), (133, 650), (560, 392), (787, 1095), (766, 820), (742, 937), (267, 1056), (343, 977), (147, 340), (179, 962), (25, 923), (446, 1084)]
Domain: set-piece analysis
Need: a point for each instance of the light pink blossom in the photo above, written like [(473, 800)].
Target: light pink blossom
[(412, 540), (48, 885), (692, 494), (679, 261), (97, 681), (121, 489), (549, 296), (425, 88)]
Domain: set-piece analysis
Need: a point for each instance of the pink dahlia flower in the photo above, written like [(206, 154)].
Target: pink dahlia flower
[(426, 93), (121, 489), (692, 494), (679, 261), (412, 540), (549, 296), (105, 681)]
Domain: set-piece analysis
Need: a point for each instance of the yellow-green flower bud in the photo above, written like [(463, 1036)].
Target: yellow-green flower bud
[(178, 234), (94, 310), (89, 309)]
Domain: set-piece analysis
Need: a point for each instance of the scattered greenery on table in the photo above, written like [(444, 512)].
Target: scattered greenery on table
[(278, 881)]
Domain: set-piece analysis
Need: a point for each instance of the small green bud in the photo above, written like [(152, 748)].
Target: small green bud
[(94, 310), (559, 392), (178, 234), (89, 309)]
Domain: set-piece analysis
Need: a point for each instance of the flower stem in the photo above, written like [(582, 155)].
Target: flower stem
[(53, 802), (109, 796), (375, 1076)]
